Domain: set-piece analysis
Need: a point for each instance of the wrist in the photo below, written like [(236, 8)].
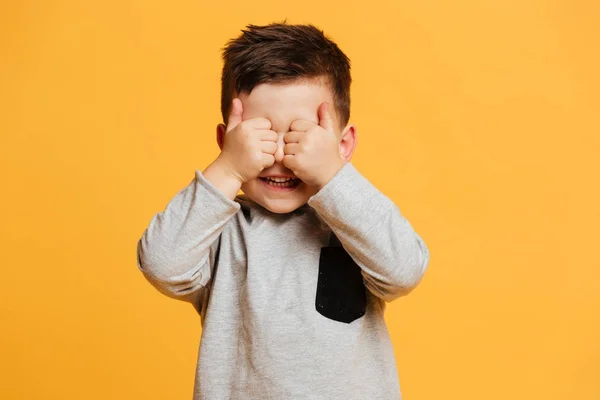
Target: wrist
[(332, 173), (227, 169), (223, 177)]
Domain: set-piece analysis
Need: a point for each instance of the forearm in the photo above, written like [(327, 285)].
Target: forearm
[(174, 249), (374, 232)]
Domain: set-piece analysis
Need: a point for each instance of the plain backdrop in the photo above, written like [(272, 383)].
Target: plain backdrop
[(478, 118)]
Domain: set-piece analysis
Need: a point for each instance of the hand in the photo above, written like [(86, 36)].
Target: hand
[(248, 146), (312, 151)]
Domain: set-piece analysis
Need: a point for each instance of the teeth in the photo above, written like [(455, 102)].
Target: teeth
[(279, 179), (281, 182)]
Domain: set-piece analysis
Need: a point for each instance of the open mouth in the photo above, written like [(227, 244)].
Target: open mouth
[(281, 183)]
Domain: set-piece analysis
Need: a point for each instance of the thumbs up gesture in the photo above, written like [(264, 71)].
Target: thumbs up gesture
[(248, 146), (312, 151)]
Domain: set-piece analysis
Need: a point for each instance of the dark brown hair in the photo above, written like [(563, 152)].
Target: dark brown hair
[(279, 53)]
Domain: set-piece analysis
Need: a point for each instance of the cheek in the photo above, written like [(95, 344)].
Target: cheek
[(311, 190), (248, 186)]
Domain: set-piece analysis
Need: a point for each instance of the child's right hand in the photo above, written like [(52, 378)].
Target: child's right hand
[(248, 146)]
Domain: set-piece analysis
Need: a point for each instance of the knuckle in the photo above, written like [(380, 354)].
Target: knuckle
[(263, 122), (255, 157), (244, 129)]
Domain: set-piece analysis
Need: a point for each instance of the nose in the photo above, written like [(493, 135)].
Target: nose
[(279, 153)]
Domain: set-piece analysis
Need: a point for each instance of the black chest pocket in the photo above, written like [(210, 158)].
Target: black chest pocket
[(341, 293)]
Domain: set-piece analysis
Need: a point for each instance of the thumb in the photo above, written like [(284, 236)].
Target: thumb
[(325, 120), (235, 114)]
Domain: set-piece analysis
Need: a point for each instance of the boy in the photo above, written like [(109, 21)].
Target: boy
[(291, 278)]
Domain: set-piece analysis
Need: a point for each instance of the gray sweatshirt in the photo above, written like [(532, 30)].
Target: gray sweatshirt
[(291, 305)]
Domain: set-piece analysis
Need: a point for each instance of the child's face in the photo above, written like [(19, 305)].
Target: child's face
[(282, 104)]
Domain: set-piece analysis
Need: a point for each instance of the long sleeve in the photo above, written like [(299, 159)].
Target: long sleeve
[(393, 258), (177, 251)]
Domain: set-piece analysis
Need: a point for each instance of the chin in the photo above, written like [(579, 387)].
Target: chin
[(278, 202), (279, 208)]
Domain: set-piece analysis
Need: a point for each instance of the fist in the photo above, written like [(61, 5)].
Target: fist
[(248, 146), (312, 151)]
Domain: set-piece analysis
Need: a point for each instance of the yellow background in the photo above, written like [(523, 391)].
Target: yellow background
[(478, 118)]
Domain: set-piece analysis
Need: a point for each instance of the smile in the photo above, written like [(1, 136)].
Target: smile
[(281, 183)]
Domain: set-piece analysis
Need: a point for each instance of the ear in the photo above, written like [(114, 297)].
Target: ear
[(221, 135), (348, 142)]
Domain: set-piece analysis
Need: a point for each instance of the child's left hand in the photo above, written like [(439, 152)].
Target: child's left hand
[(312, 151)]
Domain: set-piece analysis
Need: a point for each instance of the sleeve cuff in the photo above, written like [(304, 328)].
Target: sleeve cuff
[(348, 193), (220, 200)]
